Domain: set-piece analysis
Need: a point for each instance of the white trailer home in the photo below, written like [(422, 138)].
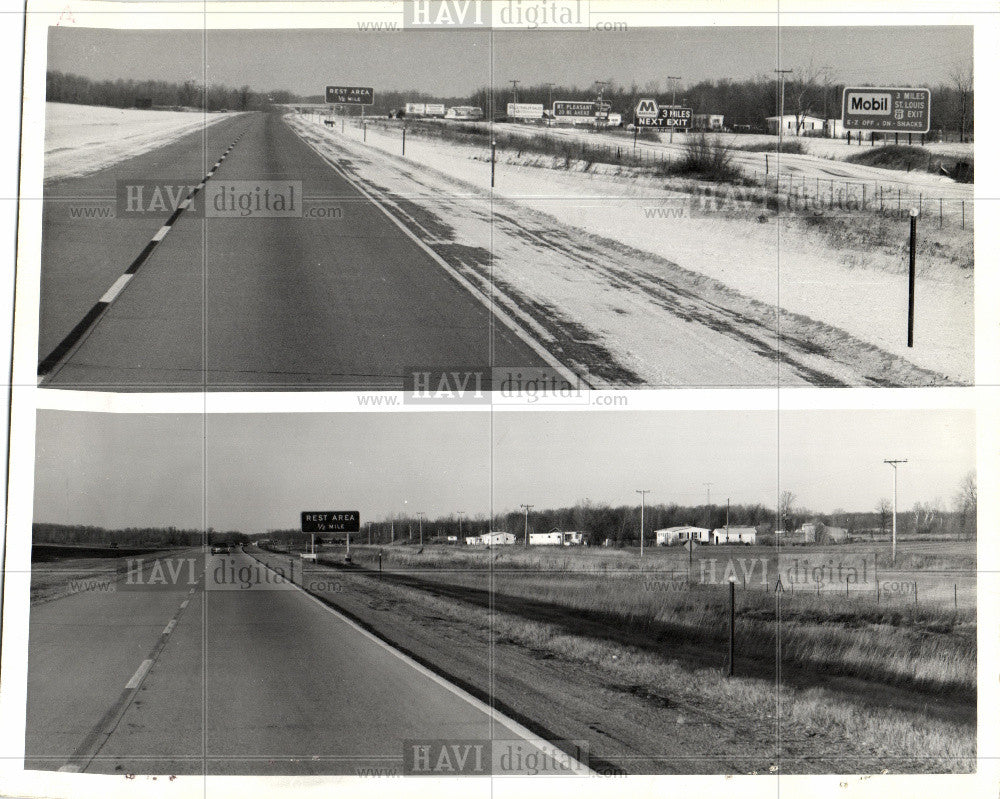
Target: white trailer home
[(681, 535), (734, 535), (490, 539), (556, 538)]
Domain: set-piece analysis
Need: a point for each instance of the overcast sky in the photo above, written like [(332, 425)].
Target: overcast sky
[(451, 63), (258, 472)]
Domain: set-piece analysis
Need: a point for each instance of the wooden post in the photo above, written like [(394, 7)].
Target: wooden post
[(913, 277)]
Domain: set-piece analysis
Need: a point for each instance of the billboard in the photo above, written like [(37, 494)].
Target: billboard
[(416, 109), (670, 116), (571, 108), (434, 109), (887, 110), (525, 110)]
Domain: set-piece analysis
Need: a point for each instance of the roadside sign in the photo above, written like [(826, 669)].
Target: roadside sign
[(887, 110), (670, 116), (601, 110), (525, 110), (415, 109), (351, 95), (331, 521), (647, 108), (434, 109), (571, 108)]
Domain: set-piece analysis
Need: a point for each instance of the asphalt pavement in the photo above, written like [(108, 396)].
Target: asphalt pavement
[(337, 298), (251, 676)]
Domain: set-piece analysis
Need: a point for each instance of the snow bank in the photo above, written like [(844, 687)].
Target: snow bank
[(80, 139)]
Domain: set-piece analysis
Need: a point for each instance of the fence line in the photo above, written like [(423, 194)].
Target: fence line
[(886, 199)]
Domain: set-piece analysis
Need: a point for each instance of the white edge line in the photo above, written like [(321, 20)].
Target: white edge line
[(116, 288), (493, 713), (499, 312), (163, 231), (170, 627), (139, 674), (69, 767), (184, 604)]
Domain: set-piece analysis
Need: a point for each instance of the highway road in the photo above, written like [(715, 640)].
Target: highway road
[(343, 301), (232, 680)]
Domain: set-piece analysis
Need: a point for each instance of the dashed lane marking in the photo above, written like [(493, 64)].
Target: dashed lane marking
[(75, 336)]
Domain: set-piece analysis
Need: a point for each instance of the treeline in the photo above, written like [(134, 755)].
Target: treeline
[(76, 534), (620, 524), (745, 103), (62, 87)]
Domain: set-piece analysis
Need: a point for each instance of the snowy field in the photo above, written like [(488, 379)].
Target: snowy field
[(80, 139), (813, 170), (839, 293)]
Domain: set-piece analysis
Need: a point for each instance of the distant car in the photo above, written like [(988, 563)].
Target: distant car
[(220, 549)]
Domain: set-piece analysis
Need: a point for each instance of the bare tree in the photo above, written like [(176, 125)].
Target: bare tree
[(966, 503), (884, 513), (805, 90), (785, 502), (961, 76)]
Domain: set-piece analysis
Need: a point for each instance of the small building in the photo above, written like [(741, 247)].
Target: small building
[(490, 539), (452, 539), (556, 538), (681, 535), (804, 125), (806, 534), (734, 535), (834, 129), (834, 535), (708, 121)]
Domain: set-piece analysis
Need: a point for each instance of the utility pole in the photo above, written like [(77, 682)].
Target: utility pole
[(550, 85), (526, 509), (600, 89), (727, 520), (708, 504), (515, 82), (460, 513), (894, 464), (642, 519), (420, 517), (781, 106), (673, 98), (673, 92)]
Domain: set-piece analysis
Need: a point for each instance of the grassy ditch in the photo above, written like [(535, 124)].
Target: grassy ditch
[(831, 726), (792, 146)]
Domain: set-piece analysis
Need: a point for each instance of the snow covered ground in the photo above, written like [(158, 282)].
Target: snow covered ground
[(803, 169), (613, 251), (80, 139)]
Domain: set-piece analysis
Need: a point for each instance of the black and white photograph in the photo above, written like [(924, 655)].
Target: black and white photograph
[(217, 621), (500, 398), (338, 209)]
